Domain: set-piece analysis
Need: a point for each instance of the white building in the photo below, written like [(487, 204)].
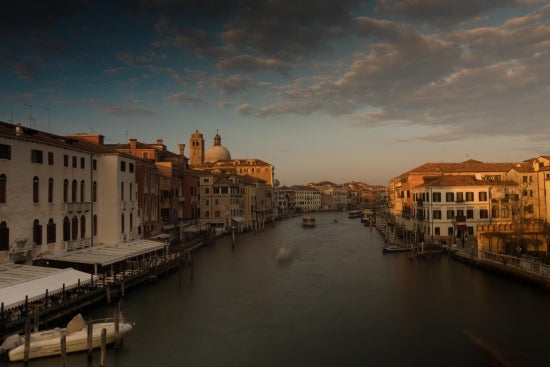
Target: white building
[(47, 187), (307, 199), (452, 206)]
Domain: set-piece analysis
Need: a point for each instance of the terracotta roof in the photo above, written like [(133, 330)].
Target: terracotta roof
[(455, 180)]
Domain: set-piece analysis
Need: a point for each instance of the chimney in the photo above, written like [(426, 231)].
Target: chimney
[(159, 142), (18, 130), (182, 148), (133, 143)]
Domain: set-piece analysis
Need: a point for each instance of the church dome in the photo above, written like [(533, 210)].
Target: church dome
[(217, 152)]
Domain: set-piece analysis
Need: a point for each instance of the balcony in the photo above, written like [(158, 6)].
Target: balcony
[(76, 207), (77, 244)]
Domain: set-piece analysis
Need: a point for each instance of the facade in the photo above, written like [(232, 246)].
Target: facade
[(53, 197), (306, 199), (451, 207)]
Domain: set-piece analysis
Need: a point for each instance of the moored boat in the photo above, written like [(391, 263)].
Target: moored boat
[(393, 248), (48, 342), (308, 222)]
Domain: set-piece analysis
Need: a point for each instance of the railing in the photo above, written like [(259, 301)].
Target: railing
[(77, 244), (76, 207), (517, 263)]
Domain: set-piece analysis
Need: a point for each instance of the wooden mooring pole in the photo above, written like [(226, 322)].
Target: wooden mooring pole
[(36, 318), (117, 328), (103, 347), (27, 341), (89, 340), (63, 349)]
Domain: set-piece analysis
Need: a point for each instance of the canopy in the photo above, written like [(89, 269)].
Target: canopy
[(19, 281)]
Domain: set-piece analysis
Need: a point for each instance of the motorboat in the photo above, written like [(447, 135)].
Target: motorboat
[(308, 222), (48, 342)]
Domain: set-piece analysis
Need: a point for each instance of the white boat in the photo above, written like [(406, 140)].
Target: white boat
[(48, 342), (308, 222), (285, 252)]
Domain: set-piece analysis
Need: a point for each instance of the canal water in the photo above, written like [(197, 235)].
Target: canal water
[(338, 301)]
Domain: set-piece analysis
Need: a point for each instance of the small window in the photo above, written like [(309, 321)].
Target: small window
[(437, 231), (37, 232), (123, 166), (450, 197), (470, 214), (35, 189), (94, 164), (74, 161), (436, 214), (82, 162), (50, 158), (482, 196), (5, 151), (50, 231), (131, 167), (469, 196), (50, 190), (436, 197), (4, 237), (36, 156), (65, 160), (483, 213), (450, 214), (145, 155), (3, 187)]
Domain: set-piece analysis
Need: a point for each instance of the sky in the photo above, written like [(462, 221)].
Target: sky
[(336, 90)]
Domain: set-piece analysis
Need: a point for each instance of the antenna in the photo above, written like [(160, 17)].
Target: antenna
[(30, 113), (49, 128)]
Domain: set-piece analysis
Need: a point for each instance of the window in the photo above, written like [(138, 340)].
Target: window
[(437, 214), (94, 164), (82, 191), (122, 223), (35, 189), (4, 237), (504, 213), (5, 151), (74, 188), (95, 225), (37, 232), (437, 232), (74, 161), (524, 178), (65, 191), (217, 214), (460, 213), (470, 231), (82, 226), (74, 228), (450, 214), (216, 201), (94, 191), (450, 196), (470, 214), (482, 196), (207, 214), (65, 160), (50, 231), (66, 229), (36, 156), (207, 191), (495, 212), (131, 168), (459, 197), (50, 158), (207, 202), (82, 162), (145, 155), (3, 184), (436, 197), (469, 196), (122, 191), (131, 221), (528, 208), (50, 190), (483, 213), (122, 166), (450, 231)]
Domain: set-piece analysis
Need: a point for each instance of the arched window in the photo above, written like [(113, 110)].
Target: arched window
[(66, 229), (131, 193), (74, 187), (82, 226), (3, 183), (94, 194), (131, 221), (37, 232), (122, 191), (122, 223), (95, 225), (35, 187), (495, 212), (4, 237), (65, 191), (74, 228), (50, 190), (50, 231), (82, 191)]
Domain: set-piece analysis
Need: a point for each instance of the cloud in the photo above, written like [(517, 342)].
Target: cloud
[(442, 14), (133, 60), (120, 109), (24, 97), (243, 110), (224, 104), (183, 98), (246, 63), (235, 83)]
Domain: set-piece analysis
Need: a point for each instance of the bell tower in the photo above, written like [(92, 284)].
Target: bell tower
[(196, 146)]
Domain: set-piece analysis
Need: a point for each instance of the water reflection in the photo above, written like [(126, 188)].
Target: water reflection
[(338, 302)]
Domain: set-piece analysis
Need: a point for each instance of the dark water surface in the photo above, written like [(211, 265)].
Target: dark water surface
[(338, 302)]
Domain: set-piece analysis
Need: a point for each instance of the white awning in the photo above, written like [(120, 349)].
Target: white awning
[(19, 281), (239, 219)]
